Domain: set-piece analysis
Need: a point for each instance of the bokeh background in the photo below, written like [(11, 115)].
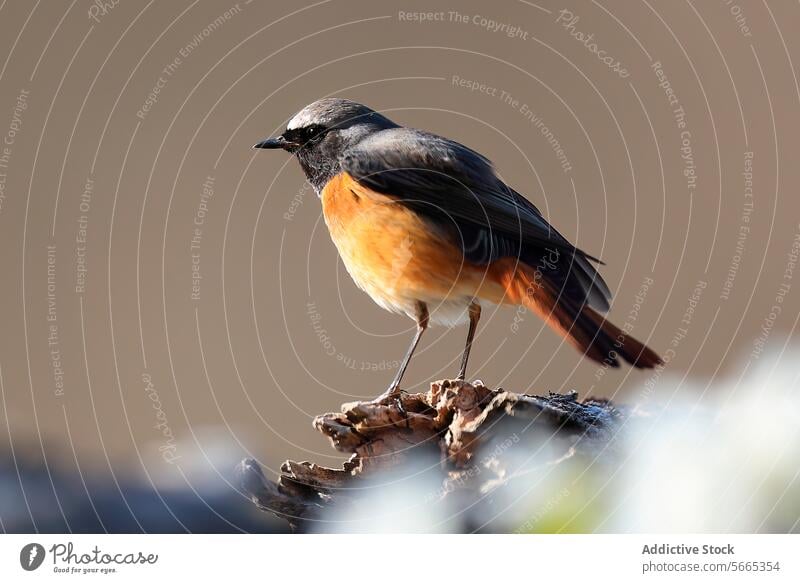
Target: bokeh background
[(171, 301)]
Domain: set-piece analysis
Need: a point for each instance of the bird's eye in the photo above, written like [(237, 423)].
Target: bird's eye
[(313, 131)]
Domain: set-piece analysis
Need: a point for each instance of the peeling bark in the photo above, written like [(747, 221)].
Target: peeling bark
[(453, 421)]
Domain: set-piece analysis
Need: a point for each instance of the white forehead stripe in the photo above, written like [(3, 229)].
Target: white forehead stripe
[(300, 120)]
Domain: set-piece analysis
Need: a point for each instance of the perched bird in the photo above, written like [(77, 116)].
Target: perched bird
[(425, 226)]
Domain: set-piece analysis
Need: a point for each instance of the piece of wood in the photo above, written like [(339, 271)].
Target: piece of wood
[(454, 421)]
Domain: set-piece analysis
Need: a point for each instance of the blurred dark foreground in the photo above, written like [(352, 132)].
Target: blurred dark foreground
[(37, 498)]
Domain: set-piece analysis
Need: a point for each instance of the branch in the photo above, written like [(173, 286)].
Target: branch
[(457, 422)]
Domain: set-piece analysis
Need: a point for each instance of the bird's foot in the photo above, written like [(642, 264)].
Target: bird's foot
[(392, 396)]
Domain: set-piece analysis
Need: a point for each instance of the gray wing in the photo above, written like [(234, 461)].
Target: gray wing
[(457, 189)]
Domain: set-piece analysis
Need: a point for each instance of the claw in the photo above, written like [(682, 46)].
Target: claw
[(393, 394), (399, 402)]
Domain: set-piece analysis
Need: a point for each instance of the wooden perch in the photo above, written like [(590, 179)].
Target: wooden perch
[(456, 421)]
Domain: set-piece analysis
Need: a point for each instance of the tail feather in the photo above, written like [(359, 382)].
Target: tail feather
[(630, 349), (580, 325)]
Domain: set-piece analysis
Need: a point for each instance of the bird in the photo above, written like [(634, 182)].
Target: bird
[(426, 227)]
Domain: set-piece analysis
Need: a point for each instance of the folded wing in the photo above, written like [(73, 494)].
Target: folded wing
[(458, 190)]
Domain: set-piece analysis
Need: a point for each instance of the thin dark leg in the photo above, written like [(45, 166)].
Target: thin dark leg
[(474, 316), (422, 324)]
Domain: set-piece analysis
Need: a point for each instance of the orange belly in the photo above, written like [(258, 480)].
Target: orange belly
[(399, 258)]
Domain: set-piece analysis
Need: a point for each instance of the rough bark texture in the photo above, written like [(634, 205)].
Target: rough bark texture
[(454, 421)]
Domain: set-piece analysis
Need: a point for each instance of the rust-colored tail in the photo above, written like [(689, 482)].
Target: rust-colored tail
[(583, 327)]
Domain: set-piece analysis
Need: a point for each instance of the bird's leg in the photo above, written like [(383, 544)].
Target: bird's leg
[(422, 324), (474, 316)]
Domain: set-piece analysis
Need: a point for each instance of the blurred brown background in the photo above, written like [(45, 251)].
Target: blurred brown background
[(171, 299)]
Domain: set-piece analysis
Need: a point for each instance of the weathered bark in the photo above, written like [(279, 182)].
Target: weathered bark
[(454, 420)]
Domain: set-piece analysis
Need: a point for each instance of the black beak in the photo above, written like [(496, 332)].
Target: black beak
[(272, 143)]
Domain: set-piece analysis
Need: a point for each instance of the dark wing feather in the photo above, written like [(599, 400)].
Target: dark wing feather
[(457, 188)]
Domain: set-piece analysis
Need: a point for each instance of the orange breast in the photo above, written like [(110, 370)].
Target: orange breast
[(394, 255)]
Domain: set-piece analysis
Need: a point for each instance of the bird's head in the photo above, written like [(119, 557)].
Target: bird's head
[(325, 122), (321, 131)]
